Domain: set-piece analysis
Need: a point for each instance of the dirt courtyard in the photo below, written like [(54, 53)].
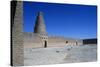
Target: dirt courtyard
[(57, 55)]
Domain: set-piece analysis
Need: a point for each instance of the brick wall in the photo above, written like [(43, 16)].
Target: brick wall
[(17, 58)]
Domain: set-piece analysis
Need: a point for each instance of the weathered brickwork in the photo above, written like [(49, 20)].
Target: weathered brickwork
[(17, 36), (32, 40)]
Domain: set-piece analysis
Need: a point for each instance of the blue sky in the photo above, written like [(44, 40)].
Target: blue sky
[(68, 20)]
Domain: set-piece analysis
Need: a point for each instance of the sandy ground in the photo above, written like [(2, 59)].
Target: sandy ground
[(56, 55)]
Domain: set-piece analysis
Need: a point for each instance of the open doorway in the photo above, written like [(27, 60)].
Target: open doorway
[(76, 42), (45, 44), (66, 42)]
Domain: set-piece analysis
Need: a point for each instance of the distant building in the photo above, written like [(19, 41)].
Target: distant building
[(90, 41)]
